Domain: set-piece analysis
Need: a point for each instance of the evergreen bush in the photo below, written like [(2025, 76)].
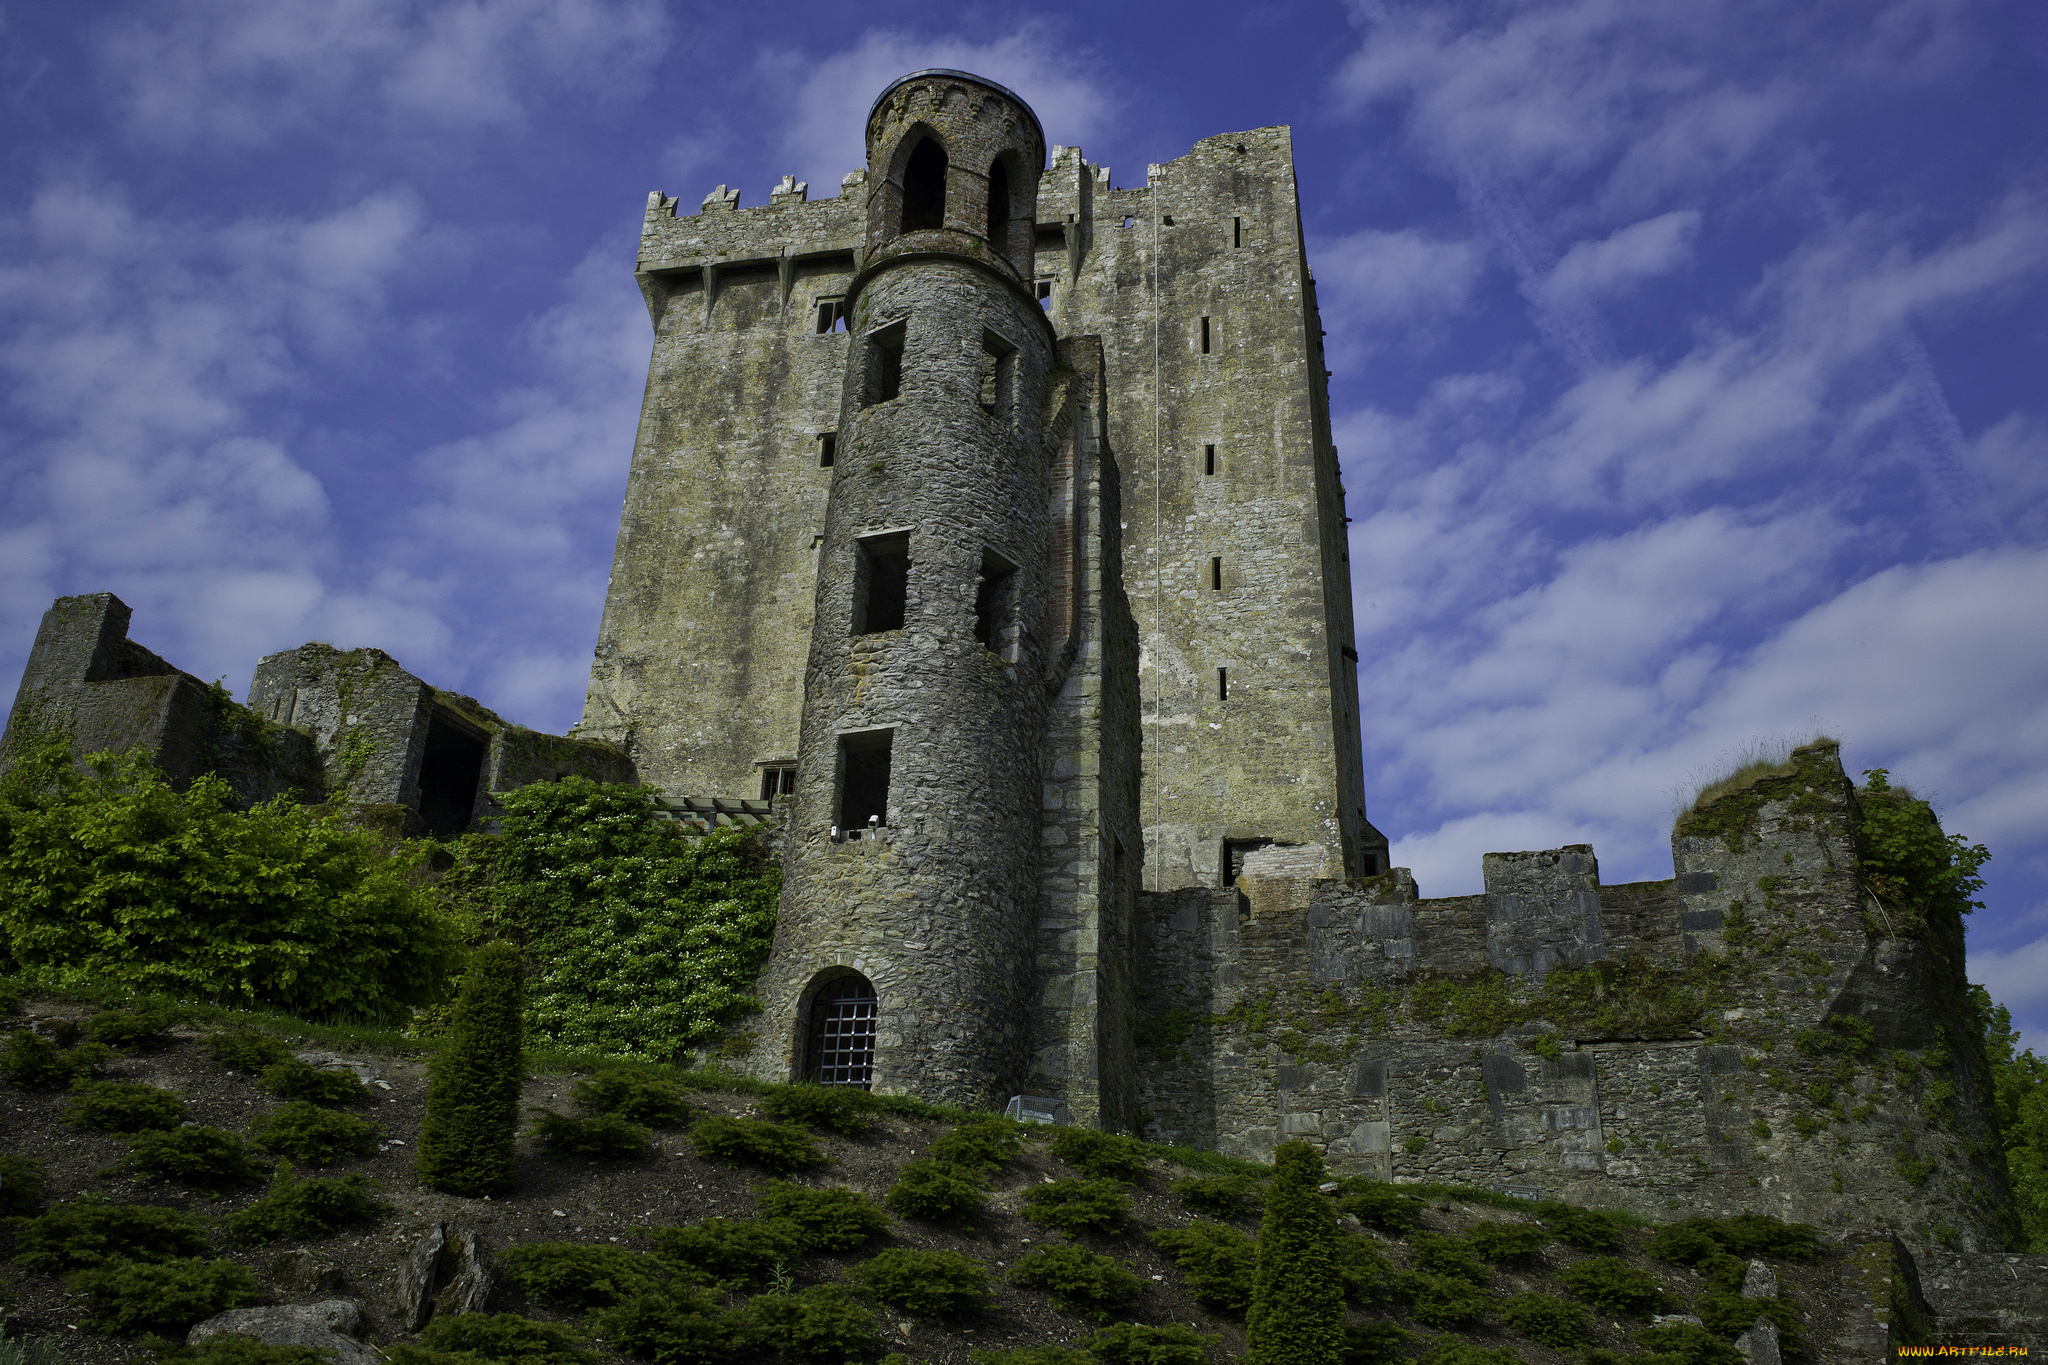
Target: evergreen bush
[(292, 1079), (1544, 1318), (1379, 1206), (108, 876), (979, 1144), (1297, 1309), (842, 1109), (305, 1132), (678, 1326), (132, 1030), (85, 1233), (504, 1339), (1079, 1205), (246, 1050), (1614, 1286), (468, 1139), (1079, 1280), (1683, 1343), (1497, 1241), (1364, 1271), (1134, 1343), (1451, 1351), (122, 1107), (732, 1252), (932, 1285), (1442, 1301), (825, 1220), (1219, 1196), (580, 1275), (1728, 1313), (22, 1181), (1107, 1156), (606, 1137), (632, 1096), (1692, 1240), (306, 1209), (166, 1298), (936, 1191), (1448, 1256), (1033, 1355), (774, 1147), (33, 1062), (1375, 1343), (823, 1323), (205, 1158), (1216, 1262), (1587, 1229)]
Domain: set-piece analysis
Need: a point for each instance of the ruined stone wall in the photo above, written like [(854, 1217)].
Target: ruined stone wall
[(1703, 1060)]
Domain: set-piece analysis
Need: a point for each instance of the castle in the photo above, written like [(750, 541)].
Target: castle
[(984, 534)]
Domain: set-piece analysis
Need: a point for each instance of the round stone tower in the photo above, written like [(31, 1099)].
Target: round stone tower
[(904, 954)]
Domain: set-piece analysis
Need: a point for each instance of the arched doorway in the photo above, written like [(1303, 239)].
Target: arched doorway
[(841, 1050)]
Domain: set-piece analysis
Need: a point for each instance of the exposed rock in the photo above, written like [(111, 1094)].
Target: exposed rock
[(1761, 1282), (1759, 1345), (469, 1286), (1671, 1319), (334, 1061), (299, 1271), (420, 1278), (329, 1325)]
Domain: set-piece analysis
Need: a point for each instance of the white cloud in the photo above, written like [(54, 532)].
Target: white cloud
[(1655, 246), (2018, 979)]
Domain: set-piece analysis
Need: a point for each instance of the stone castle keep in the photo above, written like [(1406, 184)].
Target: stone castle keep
[(984, 533)]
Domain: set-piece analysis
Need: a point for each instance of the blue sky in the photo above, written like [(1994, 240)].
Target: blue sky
[(1689, 356)]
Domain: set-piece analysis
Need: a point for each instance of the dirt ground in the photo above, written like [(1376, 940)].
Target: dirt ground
[(593, 1202)]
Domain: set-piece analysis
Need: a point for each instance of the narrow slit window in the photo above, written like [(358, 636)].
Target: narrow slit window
[(842, 1042), (864, 779), (1237, 232), (828, 448), (1208, 460), (924, 187), (1205, 336), (995, 606), (998, 373), (885, 363), (881, 584), (1216, 574), (1223, 684), (998, 208), (831, 316)]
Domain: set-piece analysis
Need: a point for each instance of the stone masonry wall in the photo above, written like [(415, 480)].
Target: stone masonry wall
[(1704, 1060)]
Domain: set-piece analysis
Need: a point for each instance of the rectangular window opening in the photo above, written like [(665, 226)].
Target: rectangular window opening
[(1216, 574), (884, 371), (1044, 293), (1223, 684), (995, 606), (998, 375), (777, 782), (1208, 460), (828, 448), (1205, 336), (831, 316), (864, 779), (881, 584), (450, 770), (1233, 857), (1237, 232)]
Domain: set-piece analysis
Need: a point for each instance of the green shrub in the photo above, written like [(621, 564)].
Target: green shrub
[(232, 1348), (632, 1096), (469, 1136), (646, 938), (583, 1275), (1727, 1313), (1586, 1229), (1364, 1271), (774, 1147), (292, 1079), (980, 1144), (122, 1107), (1216, 1263), (733, 1252), (1297, 1309), (607, 1136), (1379, 1206), (1219, 1196), (305, 1132), (33, 1062), (1079, 1205), (131, 1031), (86, 1233), (110, 877), (825, 1322), (680, 1326), (1451, 1351), (166, 1298), (205, 1158), (1442, 1300), (825, 1220), (1107, 1156), (1375, 1343), (843, 1109), (1506, 1241), (1691, 1240), (247, 1050), (1614, 1286), (306, 1209), (937, 1191), (1436, 1255), (1079, 1280), (1552, 1321), (925, 1284), (1682, 1343), (21, 1185), (1033, 1355), (1133, 1343), (504, 1339)]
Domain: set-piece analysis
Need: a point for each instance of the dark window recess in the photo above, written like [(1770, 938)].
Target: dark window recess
[(998, 374), (842, 1050), (1208, 460), (995, 605), (1348, 652), (1128, 220), (1233, 857), (1223, 684), (881, 585), (449, 771), (1205, 336), (1237, 232), (831, 316), (1043, 290), (864, 778), (924, 187), (777, 782), (1369, 864), (828, 448), (885, 363), (1216, 574), (999, 207)]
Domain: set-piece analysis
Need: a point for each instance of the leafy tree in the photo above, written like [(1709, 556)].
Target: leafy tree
[(1914, 870), (1297, 1311), (470, 1132), (2020, 1086)]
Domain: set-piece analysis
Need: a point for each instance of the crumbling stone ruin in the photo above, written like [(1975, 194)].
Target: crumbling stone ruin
[(984, 530)]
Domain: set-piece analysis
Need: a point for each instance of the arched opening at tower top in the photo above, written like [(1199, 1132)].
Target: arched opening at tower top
[(924, 187), (998, 206)]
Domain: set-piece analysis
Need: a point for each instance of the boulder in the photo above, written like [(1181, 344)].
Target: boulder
[(329, 1325)]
